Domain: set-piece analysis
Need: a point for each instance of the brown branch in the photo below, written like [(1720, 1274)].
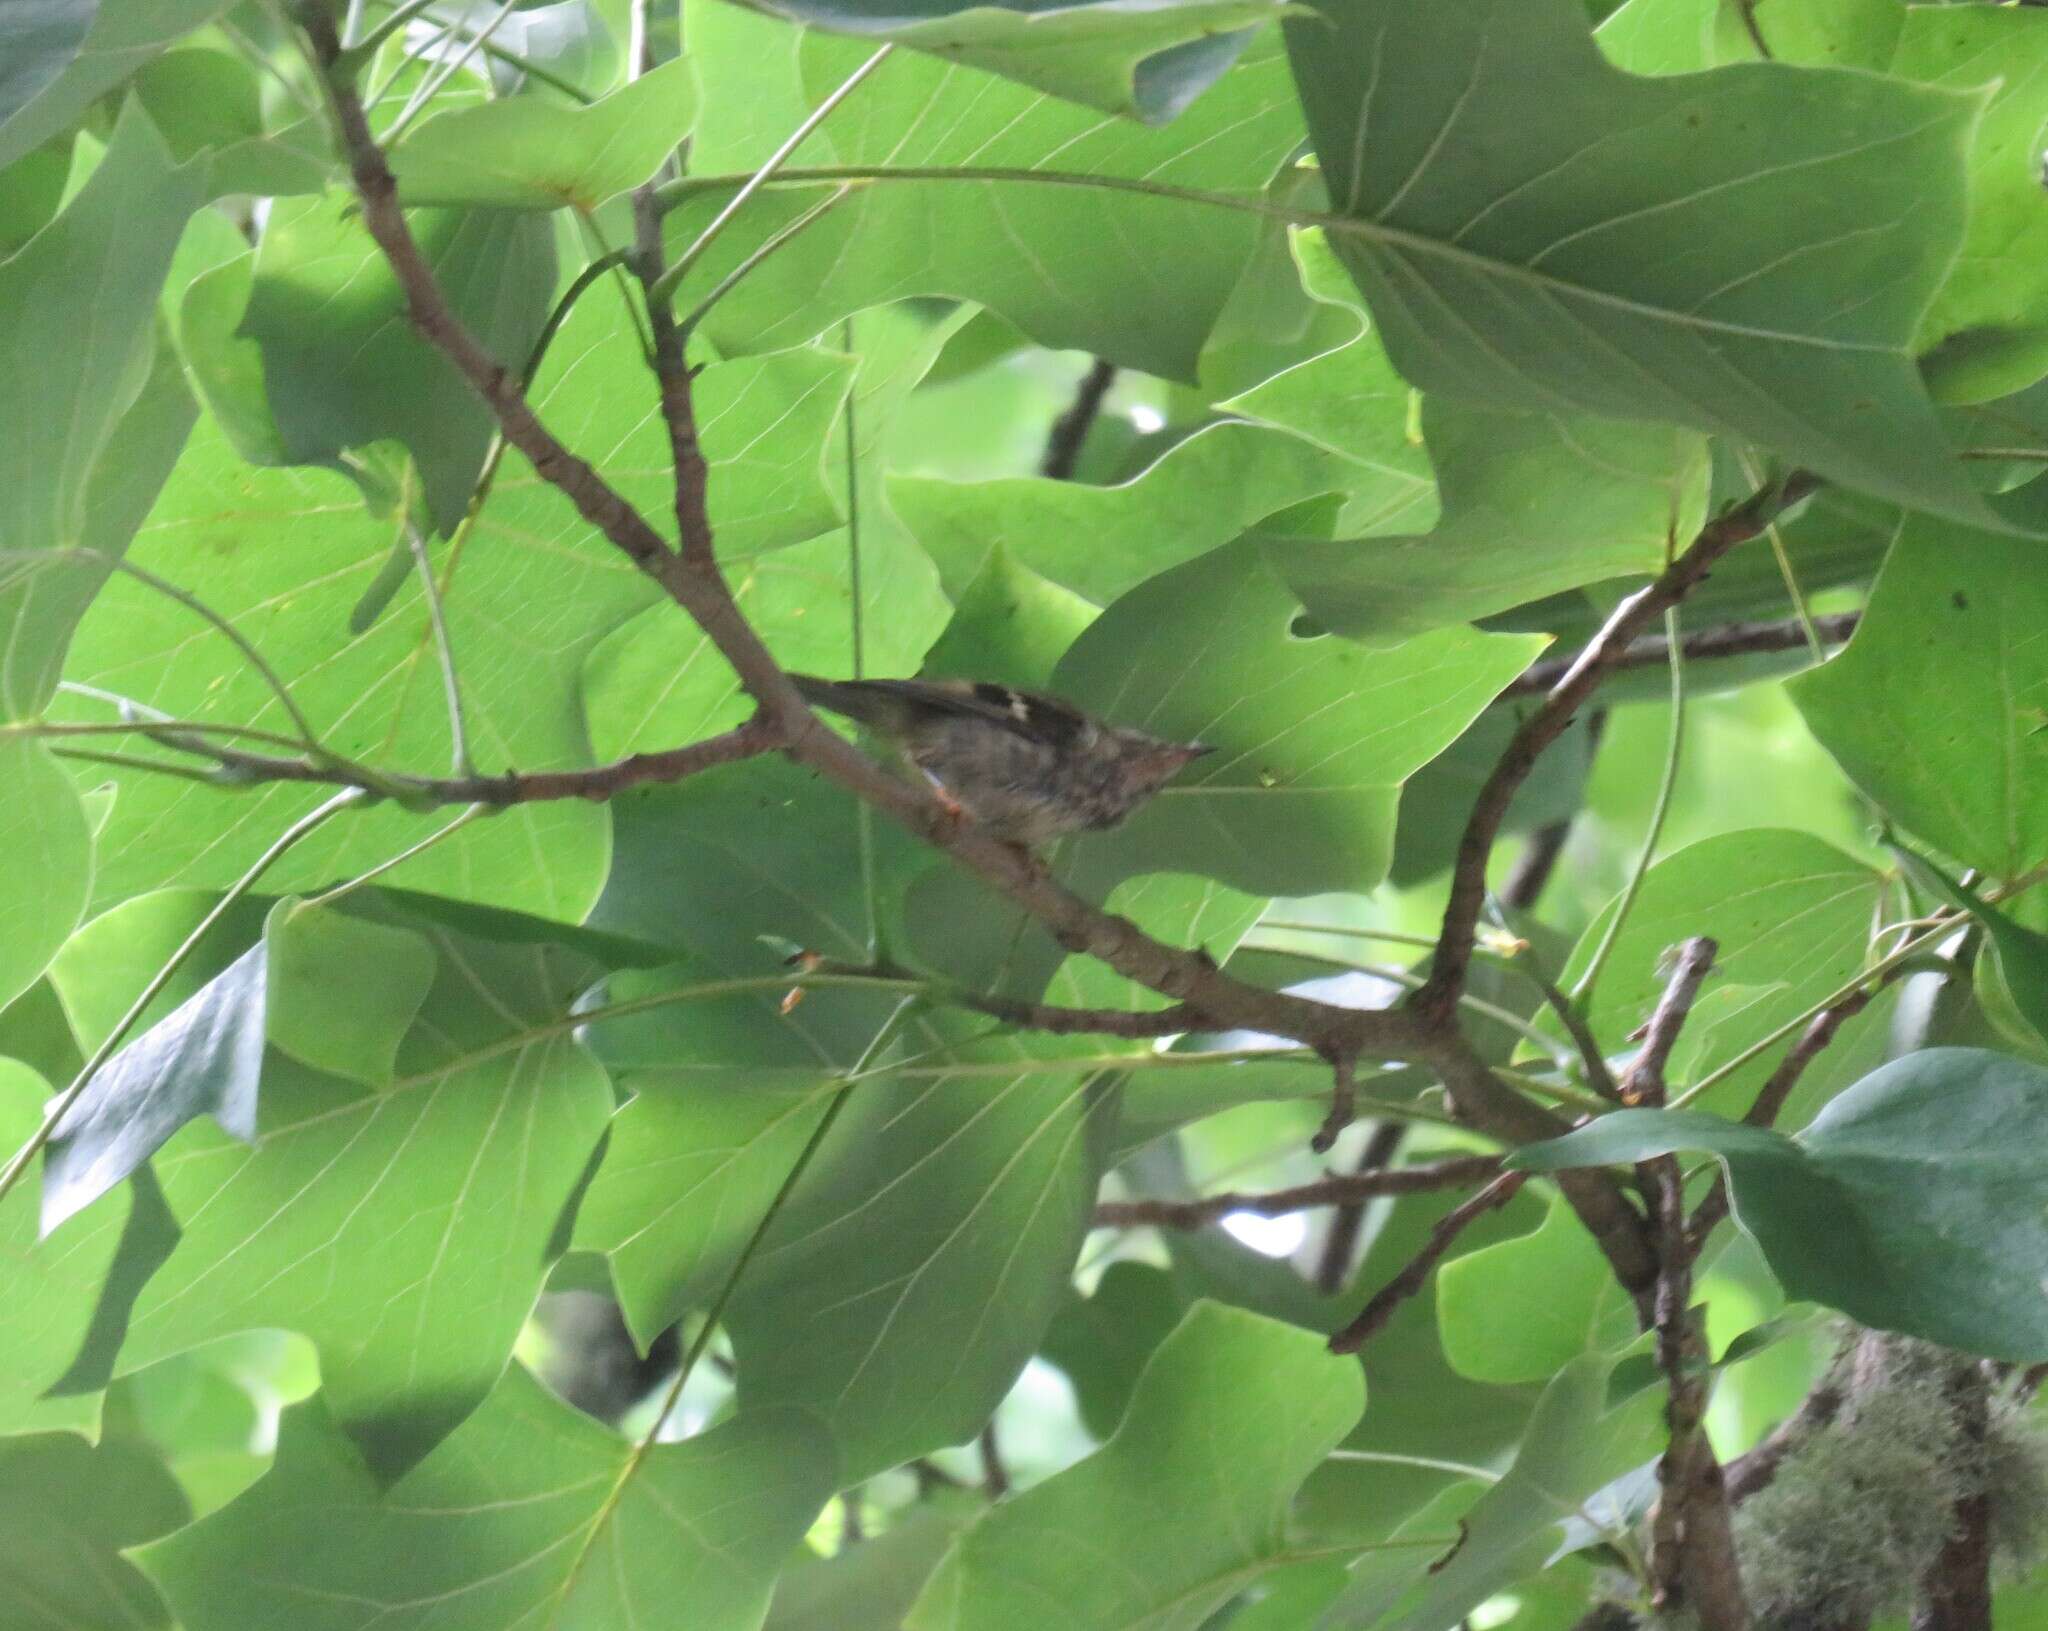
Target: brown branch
[(995, 1476), (1692, 1545), (1721, 640), (1754, 1469), (1644, 1083), (1375, 1314), (1070, 430), (1339, 1189), (1437, 999), (1771, 1097), (1340, 1237), (1532, 868), (597, 784), (1056, 1021), (692, 579)]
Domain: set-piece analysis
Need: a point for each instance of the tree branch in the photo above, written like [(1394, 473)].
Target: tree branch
[(1692, 1546), (1375, 1314), (1955, 1592), (1070, 430), (1720, 640), (1339, 1189), (1435, 1001), (692, 579), (1340, 1238)]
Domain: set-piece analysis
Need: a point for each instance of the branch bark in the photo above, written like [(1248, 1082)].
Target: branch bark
[(1373, 1317), (1721, 640), (1070, 431), (1435, 1001), (1339, 1189)]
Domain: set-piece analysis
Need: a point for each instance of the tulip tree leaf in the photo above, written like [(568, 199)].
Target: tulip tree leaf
[(1515, 208), (530, 1514), (68, 1510), (1913, 1202), (1314, 736), (1121, 56), (1954, 624), (526, 153), (907, 234), (336, 1220), (1187, 1502)]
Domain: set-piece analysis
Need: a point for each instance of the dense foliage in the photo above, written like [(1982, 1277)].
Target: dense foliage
[(514, 1125)]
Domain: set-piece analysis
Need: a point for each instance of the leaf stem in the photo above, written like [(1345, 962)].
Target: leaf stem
[(1672, 752), (664, 287), (725, 285)]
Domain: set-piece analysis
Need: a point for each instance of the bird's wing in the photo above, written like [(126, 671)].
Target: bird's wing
[(1030, 714)]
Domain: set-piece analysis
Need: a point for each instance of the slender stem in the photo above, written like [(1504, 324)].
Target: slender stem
[(1673, 749), (451, 687), (664, 287), (864, 815), (1387, 1458), (360, 49), (135, 761), (430, 87), (306, 824), (192, 603), (447, 830), (1341, 1190), (1375, 1314), (775, 240), (161, 731)]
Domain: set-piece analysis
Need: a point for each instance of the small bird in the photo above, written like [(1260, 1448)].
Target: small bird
[(1024, 767)]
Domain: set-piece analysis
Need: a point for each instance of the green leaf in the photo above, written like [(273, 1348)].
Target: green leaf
[(1956, 614), (46, 855), (1912, 1202), (944, 1214), (1011, 626), (209, 107), (1139, 276), (529, 1515), (341, 993), (1574, 1446), (67, 1513), (1315, 735), (1536, 230), (205, 1058), (526, 153), (345, 1217), (1120, 56), (342, 366), (1790, 914), (1189, 1497), (868, 1587), (1987, 331), (53, 1284), (58, 57), (1519, 1311), (1533, 503), (90, 442), (1101, 542)]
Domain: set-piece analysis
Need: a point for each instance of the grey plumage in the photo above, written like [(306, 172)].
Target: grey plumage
[(1024, 766)]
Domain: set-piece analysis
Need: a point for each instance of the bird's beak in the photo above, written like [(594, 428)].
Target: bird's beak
[(1196, 750)]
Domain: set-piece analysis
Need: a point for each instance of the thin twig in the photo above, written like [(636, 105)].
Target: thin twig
[(1644, 1082), (1720, 640), (451, 686), (1375, 1314), (663, 287), (1339, 1189), (1070, 430), (995, 1477), (688, 322), (1434, 1004), (1340, 1236)]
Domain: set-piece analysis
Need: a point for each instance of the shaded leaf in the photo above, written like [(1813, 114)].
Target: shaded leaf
[(67, 1513), (1948, 658), (347, 1216), (340, 993), (343, 367), (1139, 275), (1912, 1202), (526, 153), (46, 855), (1315, 735), (530, 1515), (1184, 1506), (1521, 1310), (58, 56), (1536, 230)]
